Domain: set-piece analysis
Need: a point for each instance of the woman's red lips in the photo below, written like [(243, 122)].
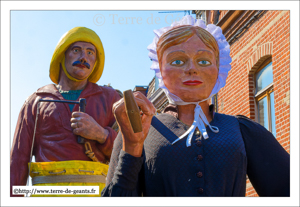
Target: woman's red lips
[(192, 82)]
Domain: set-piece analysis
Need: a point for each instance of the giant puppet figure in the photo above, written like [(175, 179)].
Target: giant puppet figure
[(189, 150), (77, 64)]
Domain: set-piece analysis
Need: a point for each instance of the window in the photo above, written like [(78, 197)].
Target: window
[(265, 97)]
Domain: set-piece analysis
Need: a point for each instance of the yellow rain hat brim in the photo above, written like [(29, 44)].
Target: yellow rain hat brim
[(77, 34)]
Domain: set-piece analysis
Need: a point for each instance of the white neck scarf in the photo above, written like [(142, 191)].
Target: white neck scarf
[(199, 119)]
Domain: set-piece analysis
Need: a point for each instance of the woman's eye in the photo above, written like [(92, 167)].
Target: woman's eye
[(177, 62), (204, 62)]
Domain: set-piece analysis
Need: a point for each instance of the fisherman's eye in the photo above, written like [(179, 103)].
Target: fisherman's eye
[(75, 50), (204, 62), (90, 53), (177, 62)]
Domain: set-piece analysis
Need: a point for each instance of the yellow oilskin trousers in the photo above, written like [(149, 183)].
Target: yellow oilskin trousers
[(76, 172)]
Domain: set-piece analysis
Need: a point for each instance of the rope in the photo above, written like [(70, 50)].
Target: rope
[(33, 138), (89, 152)]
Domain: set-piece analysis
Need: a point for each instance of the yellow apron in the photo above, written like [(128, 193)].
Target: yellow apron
[(76, 171)]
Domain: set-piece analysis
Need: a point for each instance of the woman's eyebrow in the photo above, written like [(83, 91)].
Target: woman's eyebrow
[(205, 51), (177, 51)]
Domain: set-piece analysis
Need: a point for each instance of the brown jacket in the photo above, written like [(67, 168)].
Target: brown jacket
[(54, 140)]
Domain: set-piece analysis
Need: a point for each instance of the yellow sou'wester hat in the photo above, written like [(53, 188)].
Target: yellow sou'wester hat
[(77, 34)]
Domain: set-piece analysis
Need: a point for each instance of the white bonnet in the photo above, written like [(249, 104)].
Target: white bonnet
[(224, 54)]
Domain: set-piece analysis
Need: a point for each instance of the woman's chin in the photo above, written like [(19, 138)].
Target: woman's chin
[(190, 95), (191, 99)]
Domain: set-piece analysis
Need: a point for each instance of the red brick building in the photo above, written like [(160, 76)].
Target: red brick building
[(258, 85)]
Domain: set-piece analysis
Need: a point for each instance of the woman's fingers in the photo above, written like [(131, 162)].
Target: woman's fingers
[(144, 104), (147, 112), (133, 142)]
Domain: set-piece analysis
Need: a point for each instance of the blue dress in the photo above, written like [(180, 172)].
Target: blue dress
[(216, 166)]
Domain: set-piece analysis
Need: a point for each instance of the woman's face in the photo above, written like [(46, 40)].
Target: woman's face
[(189, 70)]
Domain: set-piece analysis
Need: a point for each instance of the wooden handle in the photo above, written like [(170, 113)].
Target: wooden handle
[(132, 111)]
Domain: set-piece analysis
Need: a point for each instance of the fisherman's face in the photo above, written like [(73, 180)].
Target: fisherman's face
[(80, 59)]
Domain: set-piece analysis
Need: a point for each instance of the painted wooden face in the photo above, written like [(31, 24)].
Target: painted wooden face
[(80, 59), (189, 70)]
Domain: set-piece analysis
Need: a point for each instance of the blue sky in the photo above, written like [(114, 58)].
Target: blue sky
[(125, 36)]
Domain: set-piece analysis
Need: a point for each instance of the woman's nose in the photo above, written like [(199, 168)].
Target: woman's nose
[(191, 69)]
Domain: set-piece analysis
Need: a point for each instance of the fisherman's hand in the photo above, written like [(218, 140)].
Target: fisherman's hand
[(133, 142), (85, 126)]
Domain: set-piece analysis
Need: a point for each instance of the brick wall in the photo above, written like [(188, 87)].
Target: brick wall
[(269, 36)]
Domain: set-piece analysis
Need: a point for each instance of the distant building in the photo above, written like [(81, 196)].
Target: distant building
[(157, 96), (258, 85), (142, 89)]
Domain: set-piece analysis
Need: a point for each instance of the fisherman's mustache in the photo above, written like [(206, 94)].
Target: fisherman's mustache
[(80, 63)]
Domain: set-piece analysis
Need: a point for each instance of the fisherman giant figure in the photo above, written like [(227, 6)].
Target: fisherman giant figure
[(50, 129)]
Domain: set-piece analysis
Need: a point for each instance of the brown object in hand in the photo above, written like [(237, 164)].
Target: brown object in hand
[(132, 111)]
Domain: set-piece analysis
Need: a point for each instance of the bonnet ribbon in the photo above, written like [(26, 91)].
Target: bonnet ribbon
[(199, 121)]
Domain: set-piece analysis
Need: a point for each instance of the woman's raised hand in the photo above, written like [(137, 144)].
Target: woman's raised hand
[(133, 142)]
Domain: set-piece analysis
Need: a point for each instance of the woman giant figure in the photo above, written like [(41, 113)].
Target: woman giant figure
[(189, 150)]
